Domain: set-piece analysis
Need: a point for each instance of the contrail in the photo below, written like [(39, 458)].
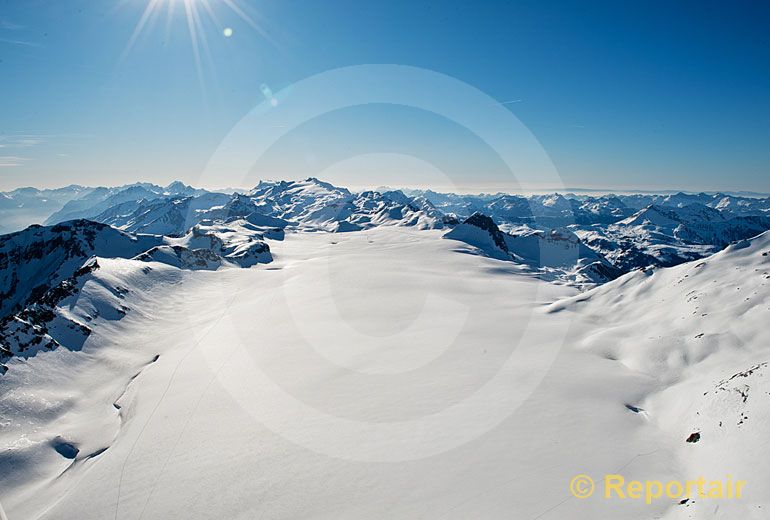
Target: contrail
[(507, 102)]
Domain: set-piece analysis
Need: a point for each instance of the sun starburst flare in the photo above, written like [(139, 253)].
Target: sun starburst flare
[(194, 12)]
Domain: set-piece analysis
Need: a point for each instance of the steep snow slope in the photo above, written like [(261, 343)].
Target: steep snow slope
[(46, 323), (556, 254), (46, 462), (38, 258), (699, 332), (41, 268), (162, 215), (481, 232)]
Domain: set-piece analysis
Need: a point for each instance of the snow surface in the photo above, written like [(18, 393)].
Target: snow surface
[(383, 374)]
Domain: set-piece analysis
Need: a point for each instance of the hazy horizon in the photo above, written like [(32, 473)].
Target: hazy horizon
[(460, 190)]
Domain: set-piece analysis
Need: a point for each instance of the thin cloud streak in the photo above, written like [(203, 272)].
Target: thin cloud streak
[(9, 161), (21, 141), (20, 42), (7, 25)]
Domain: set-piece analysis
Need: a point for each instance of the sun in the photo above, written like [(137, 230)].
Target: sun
[(194, 12)]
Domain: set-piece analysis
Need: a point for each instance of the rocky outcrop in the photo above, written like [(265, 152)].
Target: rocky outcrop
[(40, 326)]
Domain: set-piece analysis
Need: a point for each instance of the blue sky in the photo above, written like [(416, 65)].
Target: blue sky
[(645, 95)]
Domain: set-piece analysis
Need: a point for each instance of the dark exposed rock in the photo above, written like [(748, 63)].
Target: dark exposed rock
[(694, 437), (38, 258), (487, 224), (30, 327)]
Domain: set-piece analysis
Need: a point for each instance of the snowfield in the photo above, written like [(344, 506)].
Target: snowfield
[(390, 373)]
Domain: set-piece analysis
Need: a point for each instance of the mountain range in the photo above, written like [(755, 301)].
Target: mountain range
[(624, 232), (572, 239)]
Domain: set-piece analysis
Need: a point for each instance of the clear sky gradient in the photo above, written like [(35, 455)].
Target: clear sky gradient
[(624, 95)]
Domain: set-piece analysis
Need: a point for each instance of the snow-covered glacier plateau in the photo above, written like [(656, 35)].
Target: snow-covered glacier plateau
[(303, 351)]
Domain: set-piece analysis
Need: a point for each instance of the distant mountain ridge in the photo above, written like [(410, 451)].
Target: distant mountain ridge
[(21, 207), (624, 231), (101, 199)]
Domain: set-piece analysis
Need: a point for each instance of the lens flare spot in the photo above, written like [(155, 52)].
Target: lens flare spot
[(228, 31)]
